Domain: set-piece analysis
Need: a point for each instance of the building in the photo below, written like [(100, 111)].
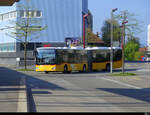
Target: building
[(148, 49), (63, 18), (148, 37), (94, 40)]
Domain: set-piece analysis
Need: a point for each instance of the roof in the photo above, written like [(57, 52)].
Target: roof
[(7, 2), (93, 38), (142, 49)]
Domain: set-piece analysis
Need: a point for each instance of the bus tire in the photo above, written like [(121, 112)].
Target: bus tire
[(84, 68), (46, 72), (65, 69), (108, 67)]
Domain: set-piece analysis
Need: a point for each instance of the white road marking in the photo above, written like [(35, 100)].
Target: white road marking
[(146, 70), (22, 98), (121, 83)]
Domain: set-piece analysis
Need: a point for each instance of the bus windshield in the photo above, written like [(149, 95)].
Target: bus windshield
[(46, 56)]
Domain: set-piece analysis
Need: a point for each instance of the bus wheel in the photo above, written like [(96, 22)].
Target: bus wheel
[(108, 67), (65, 69), (84, 68), (46, 72)]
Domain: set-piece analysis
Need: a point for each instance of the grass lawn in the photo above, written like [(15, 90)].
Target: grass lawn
[(123, 74)]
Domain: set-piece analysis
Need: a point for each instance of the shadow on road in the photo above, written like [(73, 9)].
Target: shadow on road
[(139, 94), (11, 78)]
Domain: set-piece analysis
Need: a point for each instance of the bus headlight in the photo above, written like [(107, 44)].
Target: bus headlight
[(53, 68)]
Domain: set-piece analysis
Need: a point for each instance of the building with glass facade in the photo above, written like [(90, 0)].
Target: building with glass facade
[(62, 17)]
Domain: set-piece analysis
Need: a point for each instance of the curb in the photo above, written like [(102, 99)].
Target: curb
[(22, 97)]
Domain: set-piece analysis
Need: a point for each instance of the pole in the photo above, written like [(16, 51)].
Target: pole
[(84, 16), (111, 52), (123, 44), (83, 32), (123, 41)]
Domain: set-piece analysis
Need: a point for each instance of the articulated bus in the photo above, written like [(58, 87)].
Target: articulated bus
[(64, 59)]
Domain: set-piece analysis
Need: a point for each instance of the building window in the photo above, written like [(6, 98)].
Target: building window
[(38, 13), (13, 14), (30, 14), (8, 47), (8, 15), (1, 17), (5, 16)]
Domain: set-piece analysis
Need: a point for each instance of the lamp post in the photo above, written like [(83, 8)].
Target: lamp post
[(123, 42), (84, 16), (111, 56)]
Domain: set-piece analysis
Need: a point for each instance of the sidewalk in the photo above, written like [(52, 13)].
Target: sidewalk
[(12, 91)]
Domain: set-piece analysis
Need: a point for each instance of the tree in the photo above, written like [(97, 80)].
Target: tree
[(26, 28), (106, 32), (132, 50), (132, 27)]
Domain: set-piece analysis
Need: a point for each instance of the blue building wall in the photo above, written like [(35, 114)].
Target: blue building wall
[(7, 43), (63, 17)]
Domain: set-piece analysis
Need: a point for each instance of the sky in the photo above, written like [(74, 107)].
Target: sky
[(101, 10)]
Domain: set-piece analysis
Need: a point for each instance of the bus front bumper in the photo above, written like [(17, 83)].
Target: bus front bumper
[(50, 68)]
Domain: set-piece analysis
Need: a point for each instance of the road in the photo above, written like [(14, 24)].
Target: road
[(87, 92), (90, 92)]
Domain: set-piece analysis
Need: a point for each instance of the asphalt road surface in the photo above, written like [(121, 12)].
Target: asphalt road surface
[(90, 92), (79, 92)]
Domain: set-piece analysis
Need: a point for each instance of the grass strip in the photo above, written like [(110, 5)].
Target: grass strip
[(123, 74)]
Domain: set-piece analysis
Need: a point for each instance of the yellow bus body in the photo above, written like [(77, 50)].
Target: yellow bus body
[(102, 65), (76, 67), (60, 67)]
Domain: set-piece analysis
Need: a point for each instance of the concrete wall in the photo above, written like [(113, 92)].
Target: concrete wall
[(10, 58)]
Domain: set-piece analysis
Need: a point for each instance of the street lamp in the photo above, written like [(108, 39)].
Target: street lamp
[(84, 16), (111, 56), (123, 42)]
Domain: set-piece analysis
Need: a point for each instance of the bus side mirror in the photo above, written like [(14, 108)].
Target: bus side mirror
[(34, 53)]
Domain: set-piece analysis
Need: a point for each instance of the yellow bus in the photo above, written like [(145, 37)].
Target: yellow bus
[(64, 59), (99, 58), (61, 59)]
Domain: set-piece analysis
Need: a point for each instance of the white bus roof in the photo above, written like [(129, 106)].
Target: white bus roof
[(102, 48), (80, 48), (77, 48)]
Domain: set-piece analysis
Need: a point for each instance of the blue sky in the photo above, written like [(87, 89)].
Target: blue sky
[(101, 11)]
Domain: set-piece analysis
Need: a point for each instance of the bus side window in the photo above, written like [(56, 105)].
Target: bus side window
[(108, 56), (117, 55), (59, 56), (71, 57), (77, 56)]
